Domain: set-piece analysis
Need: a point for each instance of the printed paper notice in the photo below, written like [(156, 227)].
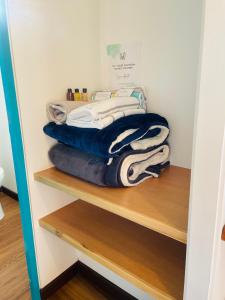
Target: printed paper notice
[(123, 64)]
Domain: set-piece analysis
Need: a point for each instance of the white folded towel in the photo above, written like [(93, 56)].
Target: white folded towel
[(57, 111), (102, 113)]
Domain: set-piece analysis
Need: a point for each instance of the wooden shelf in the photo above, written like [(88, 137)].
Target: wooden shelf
[(159, 204), (223, 234), (147, 259)]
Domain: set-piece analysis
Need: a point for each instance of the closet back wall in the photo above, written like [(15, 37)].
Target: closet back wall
[(55, 45), (169, 33)]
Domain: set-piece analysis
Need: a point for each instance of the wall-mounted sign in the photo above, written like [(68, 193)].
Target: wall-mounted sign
[(123, 64)]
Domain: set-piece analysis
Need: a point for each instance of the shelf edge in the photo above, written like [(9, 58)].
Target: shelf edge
[(154, 225)]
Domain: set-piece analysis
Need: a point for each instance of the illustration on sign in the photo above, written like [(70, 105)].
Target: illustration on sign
[(123, 64)]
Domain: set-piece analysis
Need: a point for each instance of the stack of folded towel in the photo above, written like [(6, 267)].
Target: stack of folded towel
[(109, 143)]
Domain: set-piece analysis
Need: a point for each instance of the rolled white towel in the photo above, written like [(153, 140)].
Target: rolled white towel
[(57, 111), (138, 163), (102, 113)]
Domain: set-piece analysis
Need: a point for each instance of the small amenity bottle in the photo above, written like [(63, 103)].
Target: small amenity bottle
[(69, 95), (84, 95), (77, 95), (113, 94)]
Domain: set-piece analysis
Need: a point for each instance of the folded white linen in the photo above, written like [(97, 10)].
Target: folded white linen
[(153, 141), (57, 111), (142, 144), (102, 113)]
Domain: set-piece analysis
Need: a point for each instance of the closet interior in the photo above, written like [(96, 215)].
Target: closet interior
[(100, 225), (140, 232)]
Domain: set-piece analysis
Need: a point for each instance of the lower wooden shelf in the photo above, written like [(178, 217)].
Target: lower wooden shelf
[(158, 204), (149, 260)]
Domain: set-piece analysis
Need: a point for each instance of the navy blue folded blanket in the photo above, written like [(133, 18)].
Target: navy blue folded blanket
[(118, 137), (128, 169)]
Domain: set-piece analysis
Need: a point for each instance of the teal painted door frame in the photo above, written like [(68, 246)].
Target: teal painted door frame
[(17, 149)]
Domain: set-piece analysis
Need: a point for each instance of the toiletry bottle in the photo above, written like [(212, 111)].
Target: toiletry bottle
[(69, 95), (77, 95), (84, 95), (113, 94)]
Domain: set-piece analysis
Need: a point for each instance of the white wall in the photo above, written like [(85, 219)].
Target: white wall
[(55, 45), (218, 274), (169, 33), (208, 176), (52, 49), (6, 160)]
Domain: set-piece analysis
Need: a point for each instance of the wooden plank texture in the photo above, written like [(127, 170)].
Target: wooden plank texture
[(159, 204), (147, 259), (78, 288), (14, 282), (86, 284)]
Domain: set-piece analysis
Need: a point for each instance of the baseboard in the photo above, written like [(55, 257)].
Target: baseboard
[(9, 193), (110, 290), (59, 281), (107, 288)]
